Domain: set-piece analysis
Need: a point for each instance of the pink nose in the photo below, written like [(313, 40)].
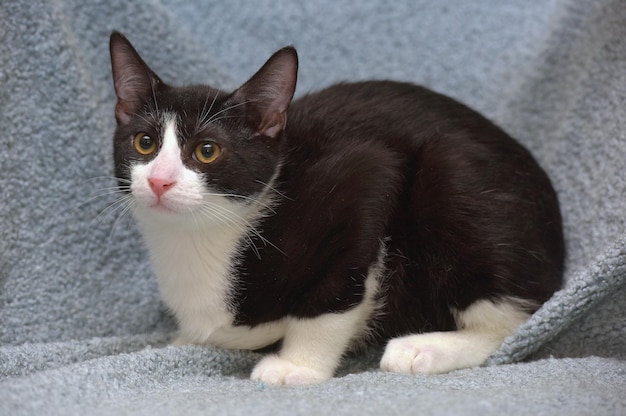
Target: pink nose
[(160, 186)]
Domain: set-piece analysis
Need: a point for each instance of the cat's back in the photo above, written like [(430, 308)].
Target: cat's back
[(407, 127), (399, 113), (450, 189)]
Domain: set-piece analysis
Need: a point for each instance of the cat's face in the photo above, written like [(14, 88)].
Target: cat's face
[(181, 151), (181, 160)]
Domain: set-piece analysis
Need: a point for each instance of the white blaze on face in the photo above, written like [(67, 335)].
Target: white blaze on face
[(167, 168), (165, 184)]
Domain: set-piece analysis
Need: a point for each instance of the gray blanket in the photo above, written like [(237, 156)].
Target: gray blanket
[(82, 329)]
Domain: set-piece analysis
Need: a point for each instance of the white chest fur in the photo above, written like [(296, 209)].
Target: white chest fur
[(195, 274), (194, 237)]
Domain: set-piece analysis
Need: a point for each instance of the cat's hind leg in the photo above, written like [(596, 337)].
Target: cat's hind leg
[(481, 329)]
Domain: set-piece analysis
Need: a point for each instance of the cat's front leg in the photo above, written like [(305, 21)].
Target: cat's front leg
[(275, 370), (312, 349), (180, 341), (183, 339)]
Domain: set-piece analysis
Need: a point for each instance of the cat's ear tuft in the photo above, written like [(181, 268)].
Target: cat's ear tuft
[(269, 92), (133, 80)]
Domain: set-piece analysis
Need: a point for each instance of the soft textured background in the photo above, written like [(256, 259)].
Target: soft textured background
[(82, 330)]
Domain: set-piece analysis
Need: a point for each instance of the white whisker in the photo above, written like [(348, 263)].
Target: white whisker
[(123, 201), (234, 217), (215, 212), (95, 196), (267, 185), (156, 105), (130, 204), (146, 119), (214, 116), (203, 114), (247, 198), (105, 191), (195, 219), (110, 178), (222, 118)]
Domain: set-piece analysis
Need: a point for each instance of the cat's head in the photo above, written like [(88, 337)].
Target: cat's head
[(179, 150)]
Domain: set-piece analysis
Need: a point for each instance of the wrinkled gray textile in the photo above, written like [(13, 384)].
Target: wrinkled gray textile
[(82, 329)]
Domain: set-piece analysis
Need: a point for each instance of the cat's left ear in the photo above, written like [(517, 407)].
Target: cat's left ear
[(269, 92)]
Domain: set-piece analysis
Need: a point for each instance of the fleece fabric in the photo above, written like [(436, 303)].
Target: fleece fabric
[(82, 328)]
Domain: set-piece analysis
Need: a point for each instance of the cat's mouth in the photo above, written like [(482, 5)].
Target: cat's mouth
[(170, 204), (162, 208)]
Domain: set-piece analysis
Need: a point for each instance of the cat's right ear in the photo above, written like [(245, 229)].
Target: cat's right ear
[(134, 81)]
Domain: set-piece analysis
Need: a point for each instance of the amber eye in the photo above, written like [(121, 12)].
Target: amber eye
[(144, 144), (207, 152)]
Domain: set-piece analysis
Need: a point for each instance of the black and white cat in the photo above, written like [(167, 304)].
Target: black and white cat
[(372, 211)]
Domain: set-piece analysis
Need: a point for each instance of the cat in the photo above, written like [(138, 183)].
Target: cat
[(368, 212)]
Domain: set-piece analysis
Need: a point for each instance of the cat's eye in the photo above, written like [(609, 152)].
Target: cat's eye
[(144, 144), (207, 152)]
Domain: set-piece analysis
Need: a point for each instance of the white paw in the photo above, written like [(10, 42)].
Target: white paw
[(180, 341), (275, 370), (432, 353)]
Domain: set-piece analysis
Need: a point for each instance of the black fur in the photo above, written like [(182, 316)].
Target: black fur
[(464, 211)]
